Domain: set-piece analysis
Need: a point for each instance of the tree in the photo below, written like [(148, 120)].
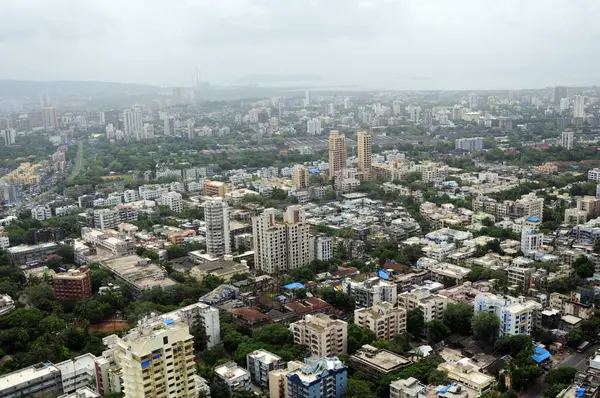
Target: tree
[(560, 375), (584, 267), (175, 251), (485, 326), (415, 323), (243, 394), (53, 324), (436, 331), (359, 389), (438, 377), (514, 344), (274, 333), (575, 337), (357, 337), (458, 316)]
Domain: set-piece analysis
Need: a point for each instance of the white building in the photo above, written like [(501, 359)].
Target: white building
[(517, 315), (216, 216), (173, 200), (6, 304), (130, 195), (323, 335), (259, 363), (41, 213), (234, 377), (566, 139), (579, 106), (370, 291), (530, 241), (323, 247), (432, 305), (383, 319), (313, 126), (594, 176), (408, 388), (469, 144)]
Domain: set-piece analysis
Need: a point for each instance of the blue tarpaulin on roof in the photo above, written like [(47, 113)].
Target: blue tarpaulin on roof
[(533, 219), (540, 354), (294, 285), (580, 391), (145, 364), (169, 322), (383, 274), (445, 389), (314, 171)]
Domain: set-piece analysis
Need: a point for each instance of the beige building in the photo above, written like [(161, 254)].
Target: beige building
[(214, 188), (378, 362), (365, 151), (154, 359), (300, 176), (338, 152), (468, 375), (323, 335), (589, 204), (408, 388), (385, 320), (432, 305), (575, 216), (278, 384), (281, 246)]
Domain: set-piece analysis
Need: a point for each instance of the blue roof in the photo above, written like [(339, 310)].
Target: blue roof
[(445, 389), (540, 354), (169, 322), (314, 171), (294, 285), (580, 391), (383, 275), (533, 219)]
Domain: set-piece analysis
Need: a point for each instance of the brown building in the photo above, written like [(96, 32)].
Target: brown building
[(215, 188), (73, 284)]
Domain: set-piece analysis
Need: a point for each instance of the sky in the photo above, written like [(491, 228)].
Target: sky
[(379, 44)]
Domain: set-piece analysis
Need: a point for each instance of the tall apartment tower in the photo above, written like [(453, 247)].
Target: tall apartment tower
[(337, 152), (560, 92), (300, 176), (365, 151), (579, 106), (133, 121), (566, 139), (324, 336), (154, 359), (216, 215), (50, 116), (281, 246)]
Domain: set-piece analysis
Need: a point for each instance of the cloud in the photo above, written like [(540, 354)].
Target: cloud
[(378, 43)]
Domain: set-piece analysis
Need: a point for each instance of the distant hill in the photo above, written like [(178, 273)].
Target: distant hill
[(34, 89)]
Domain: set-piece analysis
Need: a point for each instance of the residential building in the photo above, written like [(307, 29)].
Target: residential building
[(319, 378), (84, 392), (313, 126), (106, 218), (566, 139), (260, 363), (469, 144), (338, 152), (378, 362), (517, 315), (432, 305), (173, 200), (579, 106), (322, 335), (300, 176), (234, 377), (446, 271), (6, 304), (383, 319), (215, 188), (73, 284), (365, 151), (25, 256), (370, 291), (281, 246), (9, 135), (589, 204), (138, 273), (408, 388), (530, 241), (216, 216), (50, 116), (278, 384), (575, 216), (154, 359), (77, 373), (169, 126), (39, 380), (468, 374), (41, 213), (133, 122), (323, 247), (560, 92)]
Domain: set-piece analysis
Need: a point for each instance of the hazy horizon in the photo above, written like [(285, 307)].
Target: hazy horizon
[(377, 44)]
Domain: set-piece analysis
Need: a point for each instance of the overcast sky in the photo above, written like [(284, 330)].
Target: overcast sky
[(429, 44)]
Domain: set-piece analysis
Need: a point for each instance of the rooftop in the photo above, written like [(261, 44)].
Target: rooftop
[(28, 374), (137, 271), (383, 361)]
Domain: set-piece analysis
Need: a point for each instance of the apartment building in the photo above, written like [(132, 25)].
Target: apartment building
[(527, 206), (281, 246), (259, 363), (575, 216), (300, 176), (594, 175), (517, 315), (530, 241), (106, 218), (338, 153), (278, 384), (173, 200), (39, 380), (323, 335), (590, 205), (432, 305), (377, 362), (41, 213), (469, 144), (154, 359), (216, 216), (214, 188), (365, 151), (234, 377), (370, 291), (323, 247), (24, 256), (73, 284), (319, 378), (383, 319), (408, 388)]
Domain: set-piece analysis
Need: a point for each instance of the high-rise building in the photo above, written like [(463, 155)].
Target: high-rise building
[(323, 335), (133, 121), (370, 291), (530, 241), (385, 320), (469, 144), (337, 152), (216, 216), (111, 117), (566, 139), (9, 135), (154, 359), (259, 363), (300, 176), (397, 108), (306, 98), (169, 126), (323, 247), (279, 247), (560, 92), (50, 116), (190, 128), (148, 131), (579, 106), (473, 101), (517, 315), (313, 126), (173, 200), (73, 284), (319, 378), (365, 151)]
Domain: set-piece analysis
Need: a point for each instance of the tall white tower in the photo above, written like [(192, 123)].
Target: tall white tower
[(216, 215)]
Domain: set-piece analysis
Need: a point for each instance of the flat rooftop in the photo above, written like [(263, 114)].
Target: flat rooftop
[(26, 375), (383, 361), (265, 356), (26, 248), (144, 276)]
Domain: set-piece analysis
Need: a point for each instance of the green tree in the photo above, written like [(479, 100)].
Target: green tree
[(357, 337), (458, 316), (564, 375), (175, 251), (575, 337), (415, 323), (584, 267), (485, 326), (436, 331), (53, 324), (359, 389)]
